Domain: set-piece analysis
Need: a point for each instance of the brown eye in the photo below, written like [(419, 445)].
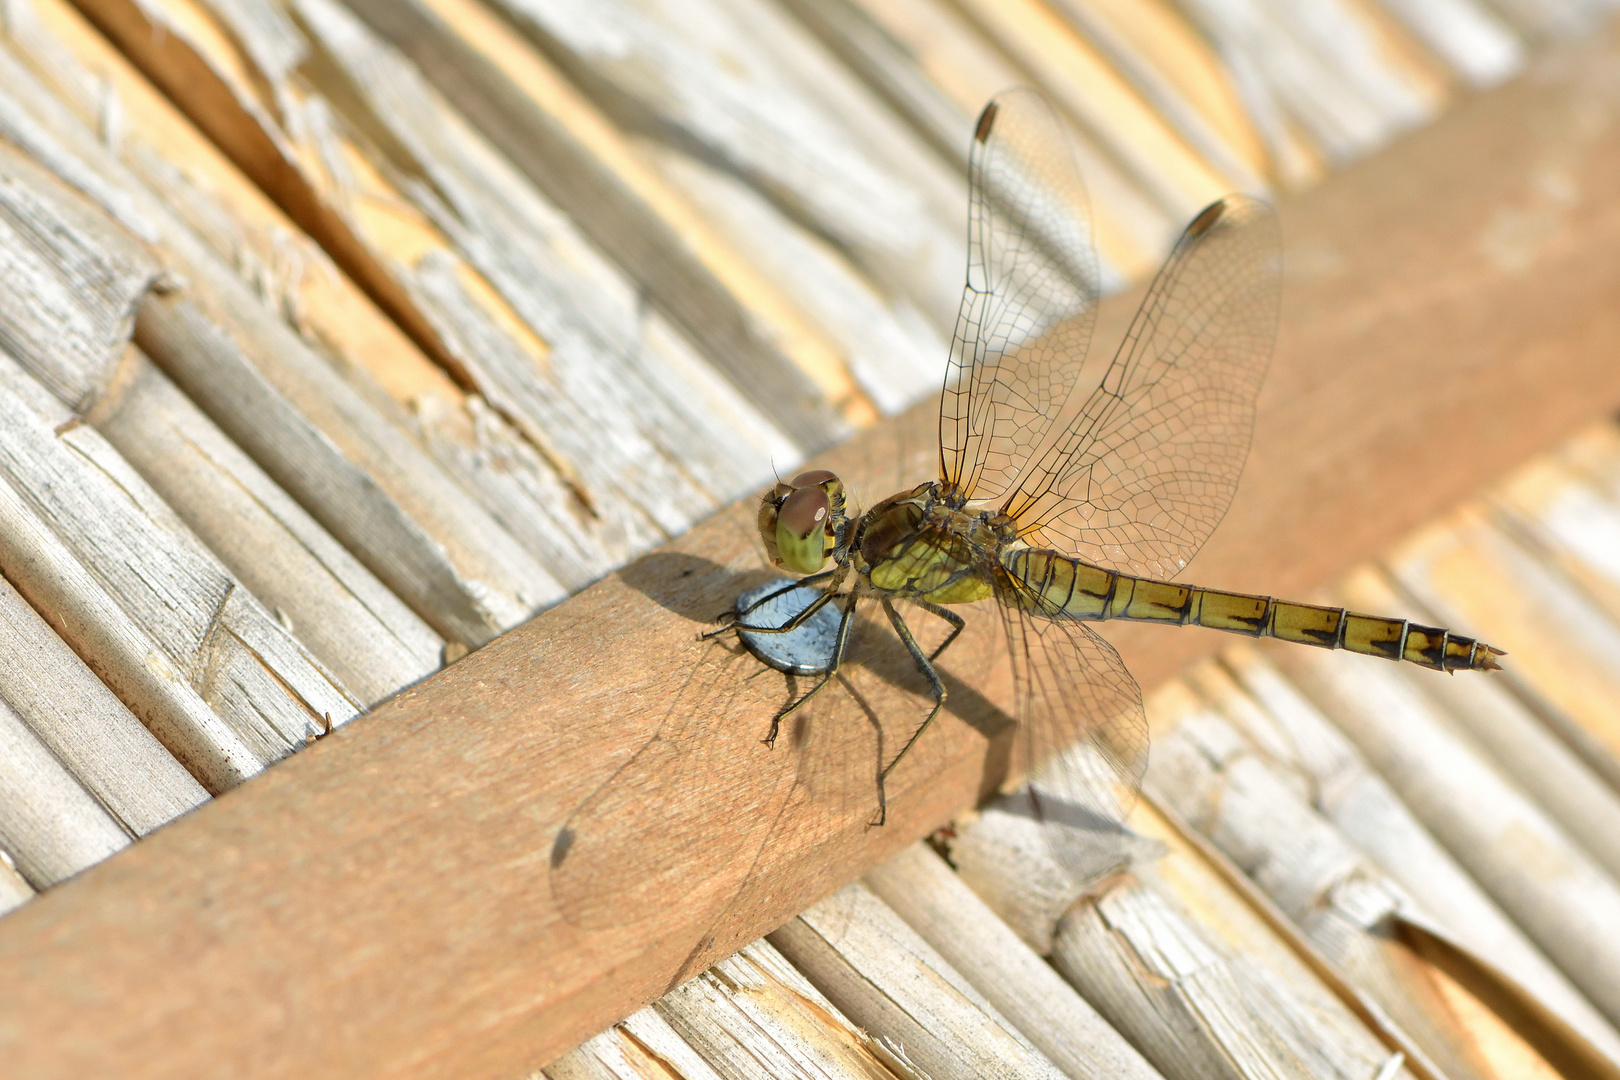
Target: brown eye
[(803, 511), (812, 478), (780, 492)]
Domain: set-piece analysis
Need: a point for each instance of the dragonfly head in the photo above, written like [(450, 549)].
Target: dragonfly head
[(804, 520)]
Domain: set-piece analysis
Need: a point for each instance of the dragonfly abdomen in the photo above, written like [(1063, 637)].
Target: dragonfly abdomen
[(1057, 586)]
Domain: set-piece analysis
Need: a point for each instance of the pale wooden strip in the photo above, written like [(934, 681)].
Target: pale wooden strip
[(460, 594), (642, 1046), (1569, 521), (1167, 956), (754, 1015), (1258, 815), (337, 196), (1521, 746), (81, 610), (81, 722), (1259, 928), (1282, 724), (1539, 20), (577, 158), (922, 890), (737, 82), (1565, 649), (1323, 65), (540, 324), (468, 438), (1466, 34), (14, 889), (1179, 76), (894, 353), (353, 468), (243, 663), (893, 71), (1083, 83), (321, 593), (68, 329), (936, 70), (1550, 887), (51, 826), (882, 975)]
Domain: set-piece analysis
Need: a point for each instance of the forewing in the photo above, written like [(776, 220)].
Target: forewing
[(1149, 466), (1030, 300), (694, 785), (1083, 736)]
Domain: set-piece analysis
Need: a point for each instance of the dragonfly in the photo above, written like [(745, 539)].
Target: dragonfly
[(1063, 500)]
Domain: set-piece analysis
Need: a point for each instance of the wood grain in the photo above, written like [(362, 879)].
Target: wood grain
[(383, 904), (1366, 810)]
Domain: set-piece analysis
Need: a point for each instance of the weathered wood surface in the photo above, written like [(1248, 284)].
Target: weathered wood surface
[(465, 435), (1367, 811), (1330, 68), (929, 61), (1567, 651), (84, 725), (210, 633), (741, 84), (555, 136), (880, 972), (352, 464), (923, 890), (465, 780), (1255, 812), (68, 322), (1256, 809), (51, 827), (1566, 902), (1036, 37), (1168, 954), (752, 1016), (355, 626)]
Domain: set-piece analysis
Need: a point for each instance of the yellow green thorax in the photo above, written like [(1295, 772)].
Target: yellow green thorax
[(915, 545)]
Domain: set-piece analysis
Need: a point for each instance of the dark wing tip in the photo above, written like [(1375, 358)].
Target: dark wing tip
[(987, 120), (1206, 218)]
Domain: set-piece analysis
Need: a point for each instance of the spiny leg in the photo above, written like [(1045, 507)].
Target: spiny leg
[(925, 665), (957, 624), (840, 645), (793, 623)]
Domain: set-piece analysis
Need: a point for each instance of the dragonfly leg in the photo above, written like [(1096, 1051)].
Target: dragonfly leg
[(925, 665), (956, 621), (839, 648), (787, 627)]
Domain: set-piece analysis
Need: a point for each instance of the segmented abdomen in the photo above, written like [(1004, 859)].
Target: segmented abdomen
[(1058, 586)]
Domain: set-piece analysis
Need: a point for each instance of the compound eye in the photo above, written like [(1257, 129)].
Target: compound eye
[(812, 478), (801, 533), (804, 511)]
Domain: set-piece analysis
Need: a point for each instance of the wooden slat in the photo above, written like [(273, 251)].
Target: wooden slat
[(1364, 807), (86, 727), (558, 139), (933, 900), (382, 904)]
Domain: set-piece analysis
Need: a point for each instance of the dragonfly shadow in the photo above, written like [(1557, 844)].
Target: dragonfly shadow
[(692, 586)]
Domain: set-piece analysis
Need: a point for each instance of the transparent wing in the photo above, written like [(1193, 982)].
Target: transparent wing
[(1083, 735), (1147, 468), (620, 857), (1030, 300)]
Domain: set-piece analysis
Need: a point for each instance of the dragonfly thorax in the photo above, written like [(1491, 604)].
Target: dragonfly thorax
[(805, 521), (927, 544)]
